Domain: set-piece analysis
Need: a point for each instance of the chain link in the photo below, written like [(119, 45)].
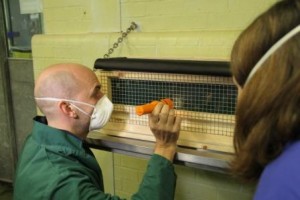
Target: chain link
[(132, 27)]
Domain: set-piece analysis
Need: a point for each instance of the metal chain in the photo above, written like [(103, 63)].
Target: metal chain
[(132, 27)]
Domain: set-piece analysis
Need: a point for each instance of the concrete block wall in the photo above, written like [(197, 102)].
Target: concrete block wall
[(83, 30), (86, 48), (191, 15), (81, 16), (192, 184), (129, 172)]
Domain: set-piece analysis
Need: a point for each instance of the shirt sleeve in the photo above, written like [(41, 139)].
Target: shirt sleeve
[(78, 187), (159, 181)]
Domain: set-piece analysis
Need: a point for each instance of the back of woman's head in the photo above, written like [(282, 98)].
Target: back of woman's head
[(267, 114)]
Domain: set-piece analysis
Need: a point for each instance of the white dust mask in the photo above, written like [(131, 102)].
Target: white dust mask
[(101, 113)]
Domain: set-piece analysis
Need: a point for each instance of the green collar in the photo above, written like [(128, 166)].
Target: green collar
[(46, 135), (66, 144)]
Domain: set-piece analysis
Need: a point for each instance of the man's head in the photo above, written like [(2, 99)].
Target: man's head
[(68, 82)]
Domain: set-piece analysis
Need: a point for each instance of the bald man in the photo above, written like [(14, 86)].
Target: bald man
[(55, 162)]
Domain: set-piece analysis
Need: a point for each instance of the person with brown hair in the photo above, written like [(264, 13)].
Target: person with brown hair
[(265, 63)]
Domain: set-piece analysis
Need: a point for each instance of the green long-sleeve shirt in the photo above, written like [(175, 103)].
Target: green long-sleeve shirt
[(54, 164)]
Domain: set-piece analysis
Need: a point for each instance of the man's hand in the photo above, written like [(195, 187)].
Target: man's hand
[(165, 126)]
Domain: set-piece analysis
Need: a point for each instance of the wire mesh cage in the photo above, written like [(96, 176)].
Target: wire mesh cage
[(205, 99)]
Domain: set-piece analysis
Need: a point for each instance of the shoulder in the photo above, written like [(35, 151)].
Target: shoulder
[(280, 178), (288, 160)]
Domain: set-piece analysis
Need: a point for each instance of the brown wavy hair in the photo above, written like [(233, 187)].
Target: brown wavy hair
[(268, 108)]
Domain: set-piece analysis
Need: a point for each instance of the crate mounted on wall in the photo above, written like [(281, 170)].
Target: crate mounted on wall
[(202, 91)]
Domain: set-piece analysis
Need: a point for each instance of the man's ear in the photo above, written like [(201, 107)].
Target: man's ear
[(67, 109)]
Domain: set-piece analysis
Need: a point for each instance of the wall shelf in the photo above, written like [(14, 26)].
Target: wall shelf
[(201, 159)]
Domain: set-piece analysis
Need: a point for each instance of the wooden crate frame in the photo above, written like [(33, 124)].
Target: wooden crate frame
[(124, 121)]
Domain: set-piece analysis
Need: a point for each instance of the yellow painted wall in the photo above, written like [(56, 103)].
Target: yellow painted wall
[(83, 30)]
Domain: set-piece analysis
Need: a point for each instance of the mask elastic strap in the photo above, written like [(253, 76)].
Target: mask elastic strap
[(58, 99), (81, 110), (274, 48), (67, 100)]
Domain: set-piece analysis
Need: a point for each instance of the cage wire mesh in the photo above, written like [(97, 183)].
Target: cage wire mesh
[(205, 103)]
